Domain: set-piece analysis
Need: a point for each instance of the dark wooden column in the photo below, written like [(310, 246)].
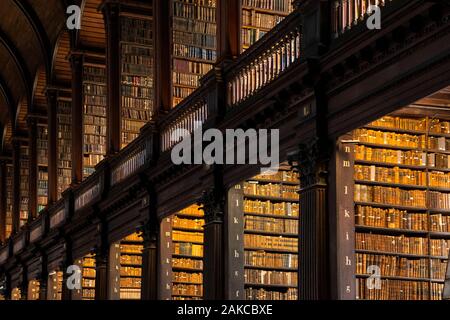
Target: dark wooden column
[(8, 289), (43, 279), (213, 205), (316, 29), (52, 110), (229, 14), (23, 285), (101, 263), (16, 185), (111, 10), (3, 201), (312, 163), (163, 72), (76, 61), (150, 259), (32, 180), (67, 261)]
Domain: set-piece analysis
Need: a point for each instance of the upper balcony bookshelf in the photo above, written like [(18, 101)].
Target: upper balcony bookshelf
[(193, 45), (94, 116), (64, 145), (42, 166), (137, 73), (259, 16)]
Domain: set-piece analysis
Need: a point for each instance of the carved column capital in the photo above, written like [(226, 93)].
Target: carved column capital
[(213, 206), (311, 161)]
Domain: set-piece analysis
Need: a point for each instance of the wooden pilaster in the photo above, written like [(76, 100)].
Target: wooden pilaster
[(228, 21), (52, 105), (3, 192), (16, 186), (32, 185), (163, 78), (213, 205), (77, 117), (111, 11)]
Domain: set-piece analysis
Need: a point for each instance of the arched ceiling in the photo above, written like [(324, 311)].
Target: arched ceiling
[(29, 31)]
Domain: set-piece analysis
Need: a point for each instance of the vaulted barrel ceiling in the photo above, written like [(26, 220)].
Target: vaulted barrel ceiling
[(29, 30)]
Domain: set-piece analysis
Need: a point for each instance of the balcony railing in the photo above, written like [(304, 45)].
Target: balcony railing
[(265, 61), (186, 118), (349, 13)]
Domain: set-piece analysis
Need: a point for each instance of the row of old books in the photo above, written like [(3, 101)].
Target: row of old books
[(277, 5), (271, 190), (288, 209), (395, 266), (390, 218), (270, 277), (398, 290), (271, 260), (390, 138), (271, 242), (185, 277), (189, 249), (281, 226), (196, 224), (197, 9), (185, 263), (263, 294), (186, 236), (390, 175), (414, 124), (136, 30), (388, 195)]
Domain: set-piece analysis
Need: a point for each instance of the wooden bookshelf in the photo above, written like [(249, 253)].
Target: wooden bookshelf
[(94, 116), (263, 224), (193, 44), (260, 16), (9, 199), (64, 145), (182, 255), (402, 206), (137, 73), (33, 290), (54, 286), (126, 264), (42, 166), (88, 273), (24, 192)]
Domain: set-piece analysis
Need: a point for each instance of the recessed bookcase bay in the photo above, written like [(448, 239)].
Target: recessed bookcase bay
[(399, 174), (137, 74), (193, 44), (263, 237)]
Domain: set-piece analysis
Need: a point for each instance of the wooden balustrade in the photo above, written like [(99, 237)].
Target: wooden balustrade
[(265, 62), (348, 13)]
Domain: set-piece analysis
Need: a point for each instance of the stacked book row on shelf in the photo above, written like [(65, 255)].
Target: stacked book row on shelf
[(64, 145), (194, 44), (24, 183), (33, 290), (137, 76), (406, 267), (94, 118), (9, 199), (187, 259), (55, 283), (401, 207), (130, 267), (271, 236), (42, 166), (259, 16), (88, 277), (400, 290)]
